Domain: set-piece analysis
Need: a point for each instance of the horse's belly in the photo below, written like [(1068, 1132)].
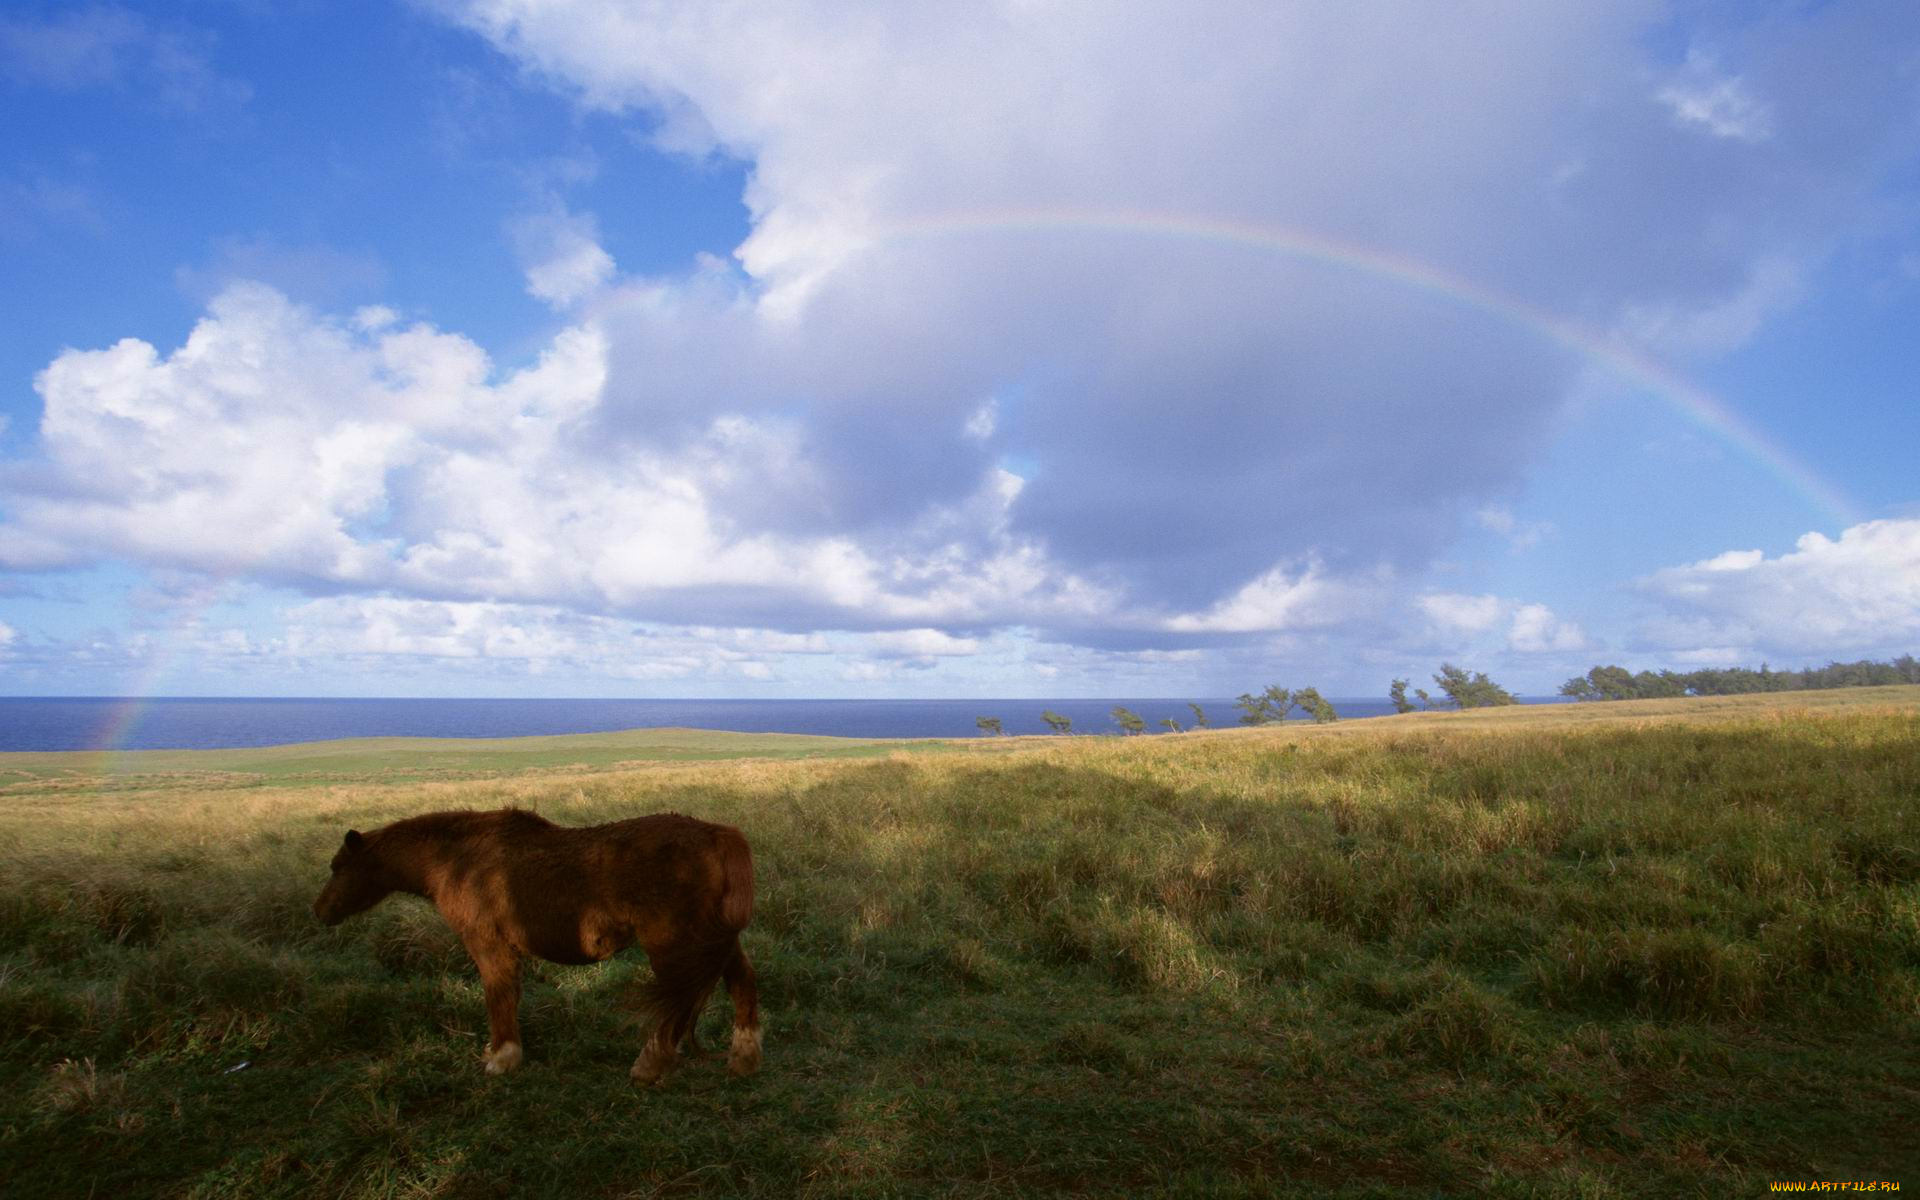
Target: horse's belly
[(588, 940)]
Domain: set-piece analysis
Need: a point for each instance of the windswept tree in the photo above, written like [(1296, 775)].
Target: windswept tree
[(1056, 722), (1200, 720), (988, 725), (1580, 687), (1129, 721), (1398, 694), (1171, 725), (1473, 690), (1315, 705), (1600, 683), (1267, 708)]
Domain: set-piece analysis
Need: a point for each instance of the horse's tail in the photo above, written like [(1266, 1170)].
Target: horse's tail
[(736, 859)]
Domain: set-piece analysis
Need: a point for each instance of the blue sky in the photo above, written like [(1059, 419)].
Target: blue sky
[(548, 347)]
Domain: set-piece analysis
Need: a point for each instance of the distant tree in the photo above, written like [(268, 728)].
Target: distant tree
[(1426, 702), (1471, 690), (1613, 683), (1398, 694), (1315, 706), (988, 725), (1580, 688), (1200, 715), (1649, 686), (1056, 722), (1267, 708), (1129, 721), (1171, 725)]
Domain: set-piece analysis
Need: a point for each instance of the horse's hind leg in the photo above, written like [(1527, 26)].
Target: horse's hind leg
[(694, 1049), (668, 1000), (743, 1058), (657, 1057)]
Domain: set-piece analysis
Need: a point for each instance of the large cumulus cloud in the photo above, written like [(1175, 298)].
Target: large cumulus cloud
[(361, 454), (954, 379), (1855, 595), (1190, 416)]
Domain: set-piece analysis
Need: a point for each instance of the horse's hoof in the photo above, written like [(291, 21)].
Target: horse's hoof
[(743, 1057), (503, 1059), (650, 1070)]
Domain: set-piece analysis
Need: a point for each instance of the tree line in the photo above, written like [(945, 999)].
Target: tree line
[(1457, 687), (1618, 683), (1270, 706)]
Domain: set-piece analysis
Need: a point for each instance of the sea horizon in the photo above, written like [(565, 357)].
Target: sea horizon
[(60, 723)]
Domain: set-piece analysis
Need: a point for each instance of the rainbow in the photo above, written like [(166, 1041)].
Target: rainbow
[(1611, 353), (1620, 359), (128, 709)]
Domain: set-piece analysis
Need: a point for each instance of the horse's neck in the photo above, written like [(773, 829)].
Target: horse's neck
[(416, 856)]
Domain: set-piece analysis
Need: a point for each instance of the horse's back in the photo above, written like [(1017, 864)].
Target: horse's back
[(578, 893)]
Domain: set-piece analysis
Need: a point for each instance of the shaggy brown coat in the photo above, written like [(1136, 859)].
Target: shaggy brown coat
[(513, 884)]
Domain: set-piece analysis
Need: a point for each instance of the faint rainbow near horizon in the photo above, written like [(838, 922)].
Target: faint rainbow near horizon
[(126, 713), (1621, 359)]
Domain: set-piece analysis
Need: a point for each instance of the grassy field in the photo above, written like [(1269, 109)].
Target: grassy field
[(395, 760), (1655, 948)]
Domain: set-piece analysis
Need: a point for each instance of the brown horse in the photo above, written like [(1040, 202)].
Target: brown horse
[(513, 884)]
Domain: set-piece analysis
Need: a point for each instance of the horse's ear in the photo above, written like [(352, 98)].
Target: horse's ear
[(354, 840)]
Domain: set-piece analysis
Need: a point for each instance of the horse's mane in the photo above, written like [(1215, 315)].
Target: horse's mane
[(455, 822)]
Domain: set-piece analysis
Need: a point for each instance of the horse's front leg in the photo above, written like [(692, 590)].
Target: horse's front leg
[(500, 977)]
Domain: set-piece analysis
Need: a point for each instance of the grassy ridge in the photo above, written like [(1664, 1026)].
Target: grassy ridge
[(1670, 948)]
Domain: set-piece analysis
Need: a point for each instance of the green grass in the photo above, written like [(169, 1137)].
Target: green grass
[(1657, 948), (398, 759)]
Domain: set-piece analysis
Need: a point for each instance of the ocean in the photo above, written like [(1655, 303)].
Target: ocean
[(181, 723)]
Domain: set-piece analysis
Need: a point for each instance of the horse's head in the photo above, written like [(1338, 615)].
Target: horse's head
[(360, 881)]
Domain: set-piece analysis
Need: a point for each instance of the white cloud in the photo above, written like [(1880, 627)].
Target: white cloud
[(1290, 596), (1857, 594), (1499, 520), (1455, 617), (1520, 535), (981, 424), (1704, 98), (282, 445), (953, 202), (539, 638), (1536, 630), (1454, 613), (920, 644), (565, 263)]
